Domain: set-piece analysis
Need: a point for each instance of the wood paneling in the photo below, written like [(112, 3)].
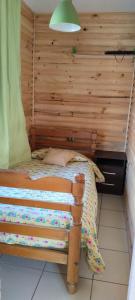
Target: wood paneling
[(87, 90), (83, 142), (27, 27), (130, 182)]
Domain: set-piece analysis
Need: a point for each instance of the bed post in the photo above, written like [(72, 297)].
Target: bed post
[(75, 236)]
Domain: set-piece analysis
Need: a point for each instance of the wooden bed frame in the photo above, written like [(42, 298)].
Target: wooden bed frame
[(83, 141), (72, 257), (40, 137)]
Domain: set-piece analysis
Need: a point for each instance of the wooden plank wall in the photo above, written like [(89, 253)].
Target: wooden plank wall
[(130, 178), (27, 27), (86, 90)]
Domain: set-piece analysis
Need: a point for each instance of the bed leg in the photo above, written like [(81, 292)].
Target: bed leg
[(75, 235), (72, 288), (73, 258)]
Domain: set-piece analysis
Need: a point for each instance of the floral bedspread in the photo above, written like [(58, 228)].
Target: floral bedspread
[(49, 218)]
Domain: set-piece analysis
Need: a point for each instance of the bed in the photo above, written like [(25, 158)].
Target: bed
[(45, 211)]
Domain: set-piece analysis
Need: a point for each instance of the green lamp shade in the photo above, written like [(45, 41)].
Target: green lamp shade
[(65, 17)]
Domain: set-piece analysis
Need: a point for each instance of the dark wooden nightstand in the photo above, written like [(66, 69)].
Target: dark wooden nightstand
[(113, 166)]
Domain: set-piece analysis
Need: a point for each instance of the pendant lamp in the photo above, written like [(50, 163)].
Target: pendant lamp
[(65, 17)]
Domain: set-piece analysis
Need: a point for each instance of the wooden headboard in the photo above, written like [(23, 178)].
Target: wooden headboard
[(83, 141)]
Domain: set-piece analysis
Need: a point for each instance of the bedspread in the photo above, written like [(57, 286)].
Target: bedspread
[(42, 217)]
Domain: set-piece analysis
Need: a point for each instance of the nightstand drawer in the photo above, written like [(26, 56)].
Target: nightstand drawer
[(110, 188), (112, 178), (111, 170), (113, 183), (109, 173)]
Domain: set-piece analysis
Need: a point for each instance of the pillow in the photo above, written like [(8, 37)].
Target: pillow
[(58, 157), (40, 153)]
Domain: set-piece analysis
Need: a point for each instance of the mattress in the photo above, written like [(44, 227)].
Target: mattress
[(49, 218)]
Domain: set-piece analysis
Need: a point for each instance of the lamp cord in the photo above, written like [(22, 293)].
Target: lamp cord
[(33, 77)]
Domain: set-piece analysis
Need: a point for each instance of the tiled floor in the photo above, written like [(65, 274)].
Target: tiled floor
[(23, 279)]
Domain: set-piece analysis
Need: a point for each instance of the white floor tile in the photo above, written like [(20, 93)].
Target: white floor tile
[(113, 239), (17, 283), (22, 262), (117, 267), (112, 202), (52, 286), (108, 291), (84, 269), (112, 218)]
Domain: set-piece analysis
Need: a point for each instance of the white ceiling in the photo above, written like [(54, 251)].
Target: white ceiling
[(45, 6)]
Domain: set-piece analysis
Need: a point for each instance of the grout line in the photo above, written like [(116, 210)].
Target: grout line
[(109, 209), (114, 196), (80, 276), (62, 273), (123, 229), (55, 272), (123, 284), (93, 276), (101, 201), (130, 246), (108, 226), (101, 248), (98, 225), (125, 215), (128, 240), (90, 279), (38, 282), (91, 290)]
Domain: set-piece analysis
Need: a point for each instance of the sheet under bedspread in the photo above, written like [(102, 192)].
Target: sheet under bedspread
[(49, 218), (35, 216)]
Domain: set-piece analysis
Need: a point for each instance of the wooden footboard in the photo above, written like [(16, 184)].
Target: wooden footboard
[(72, 257)]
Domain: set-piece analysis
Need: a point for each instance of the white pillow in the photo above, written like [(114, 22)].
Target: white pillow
[(58, 157), (40, 153)]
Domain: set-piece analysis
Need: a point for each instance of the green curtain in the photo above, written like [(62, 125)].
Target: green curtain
[(14, 146)]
